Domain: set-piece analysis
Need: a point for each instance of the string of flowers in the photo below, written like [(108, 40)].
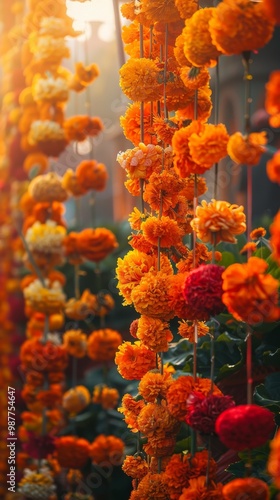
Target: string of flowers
[(172, 74)]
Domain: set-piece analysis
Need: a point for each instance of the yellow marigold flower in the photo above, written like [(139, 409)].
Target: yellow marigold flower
[(103, 344), (76, 399), (141, 161), (154, 333), (210, 145), (48, 48), (163, 190), (70, 183), (130, 123), (186, 8), (135, 466), (133, 267), (47, 188), (155, 420), (106, 449), (55, 27), (134, 360), (46, 238), (151, 297), (186, 329), (37, 484), (140, 79), (164, 231), (50, 89), (75, 343), (193, 77), (198, 489), (240, 25), (154, 385), (198, 47), (131, 409), (159, 10), (45, 130), (247, 149), (258, 233), (48, 300), (179, 391), (107, 397), (218, 221)]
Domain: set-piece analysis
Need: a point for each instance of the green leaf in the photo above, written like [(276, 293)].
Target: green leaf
[(183, 445), (227, 259), (272, 358)]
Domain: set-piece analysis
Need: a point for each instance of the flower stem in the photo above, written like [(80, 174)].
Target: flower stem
[(216, 120)]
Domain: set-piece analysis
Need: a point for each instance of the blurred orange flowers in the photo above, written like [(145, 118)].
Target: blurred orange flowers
[(249, 294)]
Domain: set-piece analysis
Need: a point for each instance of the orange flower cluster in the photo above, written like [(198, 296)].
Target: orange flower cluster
[(89, 175), (91, 244), (249, 294)]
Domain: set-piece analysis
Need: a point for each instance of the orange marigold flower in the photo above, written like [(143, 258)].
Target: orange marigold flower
[(75, 342), (180, 144), (86, 74), (96, 244), (107, 397), (76, 309), (151, 297), (186, 9), (130, 123), (249, 294), (47, 188), (275, 237), (134, 360), (70, 183), (152, 487), (70, 244), (136, 218), (164, 129), (199, 464), (198, 47), (273, 168), (72, 452), (163, 231), (143, 160), (194, 77), (179, 52), (247, 150), (196, 108), (160, 446), (133, 186), (135, 466), (107, 449), (140, 79), (76, 399), (210, 145), (92, 175), (133, 267), (159, 10), (35, 163), (163, 190), (100, 304), (48, 357), (258, 233), (176, 475), (273, 464), (187, 329), (154, 385), (272, 100), (36, 399), (198, 490), (103, 344), (78, 128), (250, 247), (138, 242), (218, 221), (240, 25), (179, 391), (131, 409), (272, 10), (251, 487), (154, 333)]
